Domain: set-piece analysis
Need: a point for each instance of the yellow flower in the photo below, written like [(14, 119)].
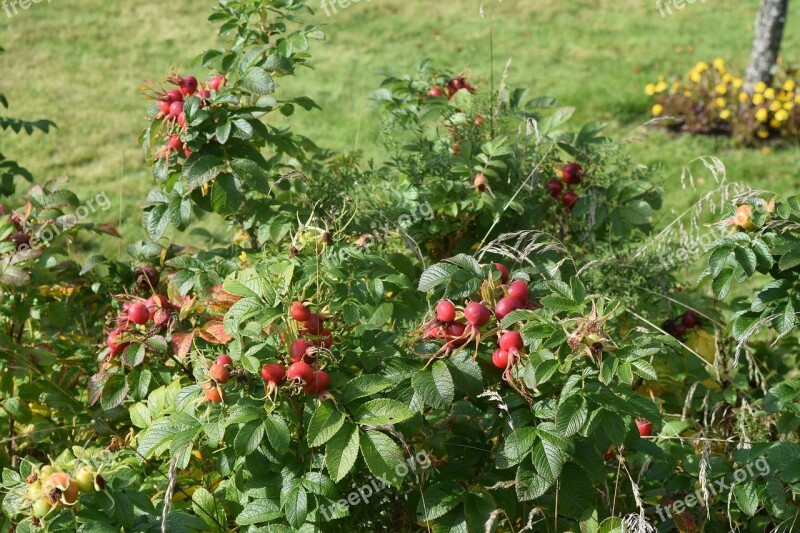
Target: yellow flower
[(721, 89), (727, 78), (701, 66), (797, 99), (695, 76), (774, 123), (676, 86), (760, 87), (774, 106), (788, 106), (650, 89), (657, 110), (744, 97), (724, 114), (661, 86), (758, 99), (720, 102), (769, 94), (719, 64), (781, 115), (762, 115), (687, 92), (789, 85), (762, 133), (737, 82)]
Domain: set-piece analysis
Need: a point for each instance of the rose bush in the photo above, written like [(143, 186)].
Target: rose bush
[(502, 364)]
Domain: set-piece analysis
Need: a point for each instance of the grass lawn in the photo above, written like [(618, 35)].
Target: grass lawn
[(82, 67)]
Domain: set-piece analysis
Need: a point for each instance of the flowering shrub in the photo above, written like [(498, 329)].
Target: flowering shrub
[(711, 100)]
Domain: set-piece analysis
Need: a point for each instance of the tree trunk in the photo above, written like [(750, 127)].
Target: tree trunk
[(767, 42)]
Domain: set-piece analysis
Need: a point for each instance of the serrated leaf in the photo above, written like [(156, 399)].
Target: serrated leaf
[(324, 424), (249, 437), (383, 411), (382, 455), (341, 451), (571, 415), (515, 447), (436, 386), (746, 498), (439, 499), (200, 169), (258, 81)]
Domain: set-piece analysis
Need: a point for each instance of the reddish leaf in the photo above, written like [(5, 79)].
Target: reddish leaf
[(182, 342), (214, 332), (96, 383)]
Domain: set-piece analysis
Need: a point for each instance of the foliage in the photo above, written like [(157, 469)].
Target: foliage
[(490, 360)]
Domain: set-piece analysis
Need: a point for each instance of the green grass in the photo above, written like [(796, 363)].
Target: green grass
[(83, 67)]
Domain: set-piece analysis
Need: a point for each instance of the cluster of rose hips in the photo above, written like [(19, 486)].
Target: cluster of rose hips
[(451, 88), (138, 314), (303, 353), (220, 374), (170, 105), (456, 333), (678, 327), (50, 489), (571, 174), (313, 338)]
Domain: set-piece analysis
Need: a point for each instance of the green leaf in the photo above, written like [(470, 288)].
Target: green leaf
[(530, 485), (258, 81), (114, 391), (19, 409), (180, 211), (746, 498), (296, 506), (133, 355), (199, 169), (790, 259), (644, 369), (383, 456), (435, 387), (548, 459), (439, 499), (226, 197), (721, 284), (259, 511), (278, 433), (342, 451), (324, 424), (363, 386), (516, 447), (206, 507), (139, 383), (746, 259), (249, 437), (435, 276), (576, 490), (571, 415), (383, 411)]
